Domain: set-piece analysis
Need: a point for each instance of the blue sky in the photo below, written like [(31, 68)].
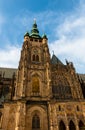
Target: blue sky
[(62, 20)]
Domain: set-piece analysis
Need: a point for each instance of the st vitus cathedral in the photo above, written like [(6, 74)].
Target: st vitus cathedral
[(43, 93)]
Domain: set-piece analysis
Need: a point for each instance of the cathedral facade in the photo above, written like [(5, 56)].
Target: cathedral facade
[(43, 93)]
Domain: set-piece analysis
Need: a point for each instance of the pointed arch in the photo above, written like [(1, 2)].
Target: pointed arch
[(35, 122), (37, 58), (62, 125), (81, 125), (33, 58), (72, 125)]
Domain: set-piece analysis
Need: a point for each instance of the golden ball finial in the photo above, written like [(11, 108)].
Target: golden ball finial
[(34, 20)]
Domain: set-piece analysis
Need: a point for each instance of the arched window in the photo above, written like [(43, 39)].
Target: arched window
[(35, 84), (33, 57), (37, 58), (72, 126), (35, 122), (62, 126), (81, 125)]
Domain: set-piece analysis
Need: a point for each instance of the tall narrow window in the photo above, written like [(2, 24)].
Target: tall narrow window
[(33, 58), (72, 126), (37, 58), (81, 125), (35, 84), (35, 122)]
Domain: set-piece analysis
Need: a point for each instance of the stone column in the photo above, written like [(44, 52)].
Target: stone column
[(50, 117), (57, 128), (47, 74), (17, 115), (76, 123), (51, 127), (77, 127), (67, 127), (22, 115)]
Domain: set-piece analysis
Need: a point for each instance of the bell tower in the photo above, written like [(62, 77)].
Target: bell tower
[(47, 94), (33, 77)]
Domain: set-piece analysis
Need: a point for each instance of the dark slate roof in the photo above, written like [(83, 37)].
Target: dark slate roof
[(82, 77), (55, 60), (7, 72)]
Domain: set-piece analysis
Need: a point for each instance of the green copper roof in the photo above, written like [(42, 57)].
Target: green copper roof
[(55, 60), (35, 32), (26, 34), (44, 36)]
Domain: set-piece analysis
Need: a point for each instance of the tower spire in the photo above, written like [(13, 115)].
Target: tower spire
[(35, 32)]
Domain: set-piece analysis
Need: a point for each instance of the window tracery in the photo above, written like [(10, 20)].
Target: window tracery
[(61, 88), (62, 92), (35, 56)]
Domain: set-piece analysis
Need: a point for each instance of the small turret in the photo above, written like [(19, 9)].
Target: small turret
[(26, 36), (44, 37)]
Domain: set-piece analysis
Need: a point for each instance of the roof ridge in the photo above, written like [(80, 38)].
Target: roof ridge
[(55, 60)]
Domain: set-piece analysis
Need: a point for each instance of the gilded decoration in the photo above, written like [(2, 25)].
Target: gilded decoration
[(35, 84)]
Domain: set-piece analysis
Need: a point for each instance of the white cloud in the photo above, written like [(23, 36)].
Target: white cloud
[(9, 57), (71, 38), (68, 29)]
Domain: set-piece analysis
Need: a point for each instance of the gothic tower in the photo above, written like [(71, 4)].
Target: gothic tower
[(33, 82), (45, 94), (32, 85), (34, 67)]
